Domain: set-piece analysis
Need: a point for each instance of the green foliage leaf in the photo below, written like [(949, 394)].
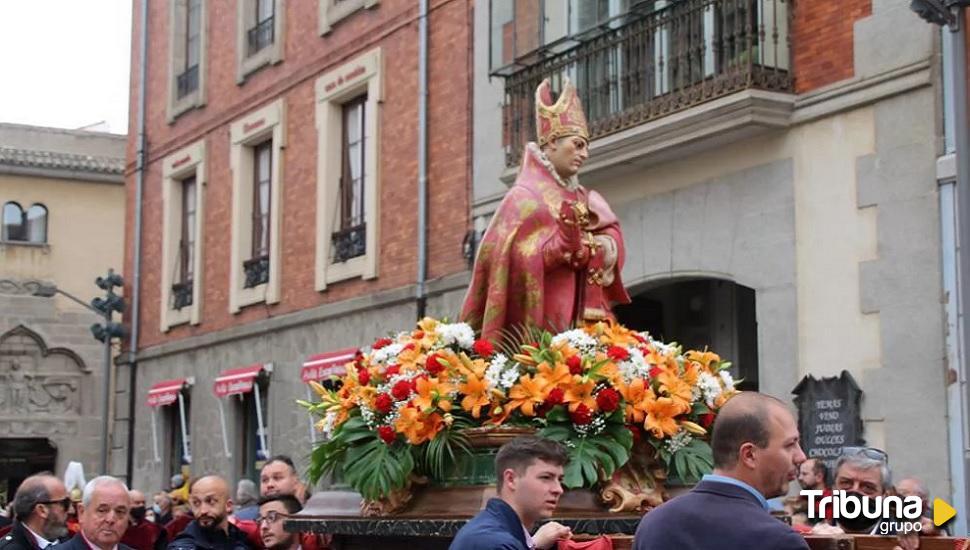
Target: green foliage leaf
[(691, 462), (378, 468), (438, 455)]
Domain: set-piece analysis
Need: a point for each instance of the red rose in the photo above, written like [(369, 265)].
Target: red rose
[(383, 403), (409, 345), (387, 434), (608, 399), (707, 419), (382, 342), (618, 353), (483, 348), (401, 390), (363, 375), (435, 364), (582, 415), (418, 334), (392, 370), (575, 364), (655, 372), (555, 397)]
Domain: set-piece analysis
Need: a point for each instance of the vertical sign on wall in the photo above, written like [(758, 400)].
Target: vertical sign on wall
[(829, 416)]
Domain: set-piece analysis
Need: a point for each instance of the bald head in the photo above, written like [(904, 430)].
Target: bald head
[(912, 487), (745, 418), (211, 505), (137, 498)]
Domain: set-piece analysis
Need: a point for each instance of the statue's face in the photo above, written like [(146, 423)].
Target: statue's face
[(567, 155)]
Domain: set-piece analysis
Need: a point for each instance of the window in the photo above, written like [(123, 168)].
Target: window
[(182, 289), (348, 179), (259, 35), (332, 11), (350, 239), (255, 158), (177, 449), (183, 183), (186, 56), (257, 267), (28, 226), (253, 445)]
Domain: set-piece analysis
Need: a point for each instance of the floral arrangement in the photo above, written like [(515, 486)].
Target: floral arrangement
[(403, 405)]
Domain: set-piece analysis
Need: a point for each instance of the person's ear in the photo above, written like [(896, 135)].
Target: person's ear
[(747, 455), (509, 479), (229, 506), (80, 510)]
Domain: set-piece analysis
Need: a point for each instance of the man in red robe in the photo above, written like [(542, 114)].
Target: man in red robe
[(552, 254)]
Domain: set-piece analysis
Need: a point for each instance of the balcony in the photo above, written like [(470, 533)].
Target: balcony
[(188, 81), (260, 36), (349, 243), (257, 271), (636, 70)]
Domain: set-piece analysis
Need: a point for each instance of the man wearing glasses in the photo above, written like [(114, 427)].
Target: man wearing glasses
[(102, 516), (272, 511), (40, 510)]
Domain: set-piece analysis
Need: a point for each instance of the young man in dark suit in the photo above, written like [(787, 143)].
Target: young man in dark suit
[(756, 456), (103, 516), (529, 471)]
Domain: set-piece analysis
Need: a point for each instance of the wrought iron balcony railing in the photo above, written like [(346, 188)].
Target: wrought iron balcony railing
[(257, 271), (661, 62), (349, 243), (181, 295), (260, 36), (188, 81)]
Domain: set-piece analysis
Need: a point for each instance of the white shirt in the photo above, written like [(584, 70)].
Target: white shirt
[(94, 546), (41, 541), (529, 543)]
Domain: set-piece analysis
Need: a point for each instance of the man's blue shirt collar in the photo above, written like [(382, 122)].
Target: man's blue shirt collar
[(737, 482)]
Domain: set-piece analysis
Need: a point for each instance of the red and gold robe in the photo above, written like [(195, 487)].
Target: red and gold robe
[(521, 279)]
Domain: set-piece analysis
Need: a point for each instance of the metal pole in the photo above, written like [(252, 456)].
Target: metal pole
[(106, 401), (421, 293), (962, 136)]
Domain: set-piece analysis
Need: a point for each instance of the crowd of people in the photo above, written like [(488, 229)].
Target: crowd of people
[(756, 450), (202, 515)]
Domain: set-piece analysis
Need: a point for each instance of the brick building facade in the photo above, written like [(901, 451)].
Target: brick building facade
[(285, 101)]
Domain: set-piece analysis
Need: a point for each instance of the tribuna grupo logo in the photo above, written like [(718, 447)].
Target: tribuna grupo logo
[(898, 514)]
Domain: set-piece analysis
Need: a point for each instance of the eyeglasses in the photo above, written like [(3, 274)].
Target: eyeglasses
[(868, 452), (64, 502), (271, 517)]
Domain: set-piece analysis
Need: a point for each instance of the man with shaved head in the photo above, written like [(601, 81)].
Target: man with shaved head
[(102, 516), (40, 513), (756, 450), (143, 534), (210, 530)]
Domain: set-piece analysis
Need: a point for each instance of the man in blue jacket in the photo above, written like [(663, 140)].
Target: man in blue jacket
[(756, 456), (529, 471)]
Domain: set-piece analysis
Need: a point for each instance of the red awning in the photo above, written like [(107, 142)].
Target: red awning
[(236, 381), (324, 365), (165, 393)]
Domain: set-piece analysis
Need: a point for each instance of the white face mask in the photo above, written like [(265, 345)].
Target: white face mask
[(157, 509)]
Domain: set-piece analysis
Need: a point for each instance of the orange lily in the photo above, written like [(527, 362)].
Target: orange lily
[(678, 390), (580, 393), (430, 393), (708, 359), (637, 396), (476, 395), (527, 393), (660, 417), (417, 427), (555, 374)]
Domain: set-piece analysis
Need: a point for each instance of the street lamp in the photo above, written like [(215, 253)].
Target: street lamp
[(104, 333)]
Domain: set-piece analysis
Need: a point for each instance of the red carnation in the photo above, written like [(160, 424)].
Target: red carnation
[(582, 415), (387, 434), (363, 375), (392, 370), (707, 419), (555, 397), (618, 353), (418, 334), (383, 403), (382, 342), (409, 345), (483, 348), (608, 399), (435, 363), (575, 364), (655, 372), (401, 390)]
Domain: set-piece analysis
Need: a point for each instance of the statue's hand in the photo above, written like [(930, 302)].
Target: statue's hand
[(575, 252)]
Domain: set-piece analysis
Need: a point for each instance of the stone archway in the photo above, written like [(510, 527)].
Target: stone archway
[(698, 312)]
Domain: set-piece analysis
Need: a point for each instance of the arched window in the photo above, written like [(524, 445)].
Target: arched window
[(14, 222), (36, 230)]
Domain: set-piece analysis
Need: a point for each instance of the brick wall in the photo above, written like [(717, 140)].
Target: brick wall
[(392, 26), (822, 38)]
